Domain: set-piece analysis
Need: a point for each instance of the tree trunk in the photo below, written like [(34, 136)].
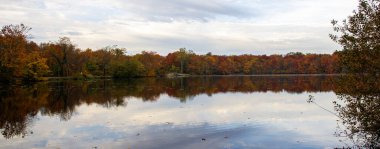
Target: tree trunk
[(181, 66)]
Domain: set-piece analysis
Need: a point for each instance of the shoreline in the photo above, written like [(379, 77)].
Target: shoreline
[(73, 78), (270, 75), (190, 75)]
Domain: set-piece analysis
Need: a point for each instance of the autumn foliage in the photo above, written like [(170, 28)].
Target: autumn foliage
[(18, 56), (22, 58)]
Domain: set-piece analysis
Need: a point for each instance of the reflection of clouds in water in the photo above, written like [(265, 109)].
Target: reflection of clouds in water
[(177, 136), (270, 118), (221, 136)]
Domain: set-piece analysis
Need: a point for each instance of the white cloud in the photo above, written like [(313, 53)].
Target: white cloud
[(222, 27)]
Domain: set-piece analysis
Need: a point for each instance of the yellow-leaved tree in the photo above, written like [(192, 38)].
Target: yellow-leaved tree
[(19, 58)]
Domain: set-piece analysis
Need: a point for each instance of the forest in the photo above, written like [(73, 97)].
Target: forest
[(22, 58)]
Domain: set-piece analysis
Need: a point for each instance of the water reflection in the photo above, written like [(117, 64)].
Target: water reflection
[(222, 106), (360, 113), (20, 104)]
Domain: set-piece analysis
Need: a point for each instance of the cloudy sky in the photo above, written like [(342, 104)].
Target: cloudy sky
[(217, 26)]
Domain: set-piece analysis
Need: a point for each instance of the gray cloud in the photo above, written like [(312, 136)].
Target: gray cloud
[(187, 9), (72, 33), (218, 26)]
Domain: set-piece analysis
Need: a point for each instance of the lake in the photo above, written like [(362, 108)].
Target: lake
[(194, 112)]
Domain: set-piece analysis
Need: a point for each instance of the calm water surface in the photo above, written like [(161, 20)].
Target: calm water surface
[(197, 112)]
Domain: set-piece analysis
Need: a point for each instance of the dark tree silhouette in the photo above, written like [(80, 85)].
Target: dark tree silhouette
[(359, 36)]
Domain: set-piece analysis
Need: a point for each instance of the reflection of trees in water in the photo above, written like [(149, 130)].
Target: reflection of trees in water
[(17, 112), (360, 111), (20, 104), (212, 85)]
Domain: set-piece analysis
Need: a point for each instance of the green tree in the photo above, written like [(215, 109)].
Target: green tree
[(183, 57), (128, 69), (105, 56), (35, 70), (359, 36), (60, 55), (118, 52)]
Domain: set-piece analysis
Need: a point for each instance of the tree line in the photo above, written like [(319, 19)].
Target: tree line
[(23, 58)]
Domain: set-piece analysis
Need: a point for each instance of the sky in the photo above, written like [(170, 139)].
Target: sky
[(223, 27)]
